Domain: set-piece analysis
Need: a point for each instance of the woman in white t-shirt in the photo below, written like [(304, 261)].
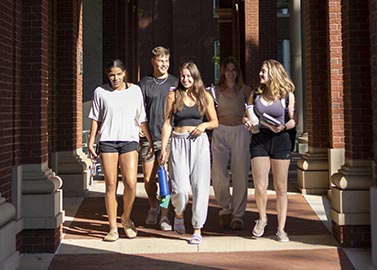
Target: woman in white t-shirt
[(117, 113)]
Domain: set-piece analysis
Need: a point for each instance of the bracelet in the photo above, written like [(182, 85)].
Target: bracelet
[(285, 127)]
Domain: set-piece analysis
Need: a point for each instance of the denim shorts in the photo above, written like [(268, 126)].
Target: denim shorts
[(119, 147), (269, 144)]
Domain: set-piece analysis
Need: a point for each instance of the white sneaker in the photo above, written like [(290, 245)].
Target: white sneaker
[(282, 236), (165, 224), (152, 216), (258, 230)]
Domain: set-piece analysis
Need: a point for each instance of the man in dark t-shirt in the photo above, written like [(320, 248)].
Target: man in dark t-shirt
[(155, 88)]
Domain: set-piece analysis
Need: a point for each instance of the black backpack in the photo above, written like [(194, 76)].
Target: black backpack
[(292, 132)]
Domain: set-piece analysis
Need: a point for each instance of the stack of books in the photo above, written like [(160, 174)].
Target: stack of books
[(269, 121)]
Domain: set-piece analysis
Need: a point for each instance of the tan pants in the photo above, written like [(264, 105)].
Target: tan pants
[(231, 144)]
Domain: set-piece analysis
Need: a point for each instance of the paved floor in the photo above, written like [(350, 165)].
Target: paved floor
[(311, 246)]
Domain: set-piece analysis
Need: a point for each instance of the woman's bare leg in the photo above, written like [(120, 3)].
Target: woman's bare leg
[(280, 175), (110, 168)]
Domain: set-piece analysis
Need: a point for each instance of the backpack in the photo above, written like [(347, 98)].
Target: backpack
[(291, 132)]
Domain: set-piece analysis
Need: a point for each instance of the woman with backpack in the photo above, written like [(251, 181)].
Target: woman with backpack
[(271, 147)]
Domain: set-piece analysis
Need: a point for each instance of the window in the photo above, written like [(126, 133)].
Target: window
[(284, 54), (282, 7), (215, 4), (216, 59)]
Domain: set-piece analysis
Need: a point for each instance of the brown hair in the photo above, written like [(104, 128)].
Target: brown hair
[(197, 90), (222, 80)]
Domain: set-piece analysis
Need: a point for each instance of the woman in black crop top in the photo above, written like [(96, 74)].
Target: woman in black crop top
[(189, 161), (271, 147)]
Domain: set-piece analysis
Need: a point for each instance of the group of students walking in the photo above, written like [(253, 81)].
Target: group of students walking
[(166, 120)]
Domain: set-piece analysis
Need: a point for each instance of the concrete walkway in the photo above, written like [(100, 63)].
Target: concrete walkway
[(311, 247)]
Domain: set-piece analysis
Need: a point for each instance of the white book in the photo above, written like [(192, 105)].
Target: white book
[(271, 120)]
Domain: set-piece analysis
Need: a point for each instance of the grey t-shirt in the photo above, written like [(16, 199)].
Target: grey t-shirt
[(155, 92)]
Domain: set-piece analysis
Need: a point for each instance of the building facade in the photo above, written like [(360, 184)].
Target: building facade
[(52, 56)]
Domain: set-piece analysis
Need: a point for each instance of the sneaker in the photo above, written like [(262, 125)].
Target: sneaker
[(111, 236), (224, 220), (258, 230), (282, 236), (236, 224), (152, 217), (129, 228), (165, 224)]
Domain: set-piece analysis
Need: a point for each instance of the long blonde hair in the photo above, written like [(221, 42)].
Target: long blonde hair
[(197, 90), (281, 85)]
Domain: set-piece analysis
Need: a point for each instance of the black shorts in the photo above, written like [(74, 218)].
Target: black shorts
[(120, 147), (269, 144)]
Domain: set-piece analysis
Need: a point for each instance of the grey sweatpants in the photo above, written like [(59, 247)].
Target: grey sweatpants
[(231, 143), (189, 166)]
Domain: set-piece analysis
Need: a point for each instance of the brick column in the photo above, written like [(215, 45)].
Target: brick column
[(9, 257), (336, 89), (9, 12), (373, 199), (260, 37), (68, 160), (9, 85), (350, 210), (313, 175), (41, 194)]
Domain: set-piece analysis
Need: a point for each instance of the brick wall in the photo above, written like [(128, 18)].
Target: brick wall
[(34, 80), (187, 29), (39, 241), (68, 95), (260, 36), (194, 31), (119, 35), (52, 78), (357, 106), (358, 113), (315, 27), (373, 44), (7, 42), (335, 74), (155, 29), (352, 236)]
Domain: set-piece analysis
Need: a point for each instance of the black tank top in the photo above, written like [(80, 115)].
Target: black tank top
[(189, 116)]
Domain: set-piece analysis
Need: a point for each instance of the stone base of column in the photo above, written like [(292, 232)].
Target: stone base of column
[(373, 209), (350, 203), (42, 209), (313, 173), (350, 207), (74, 169), (9, 257)]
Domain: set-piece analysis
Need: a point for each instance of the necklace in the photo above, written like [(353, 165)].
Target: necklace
[(159, 83)]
